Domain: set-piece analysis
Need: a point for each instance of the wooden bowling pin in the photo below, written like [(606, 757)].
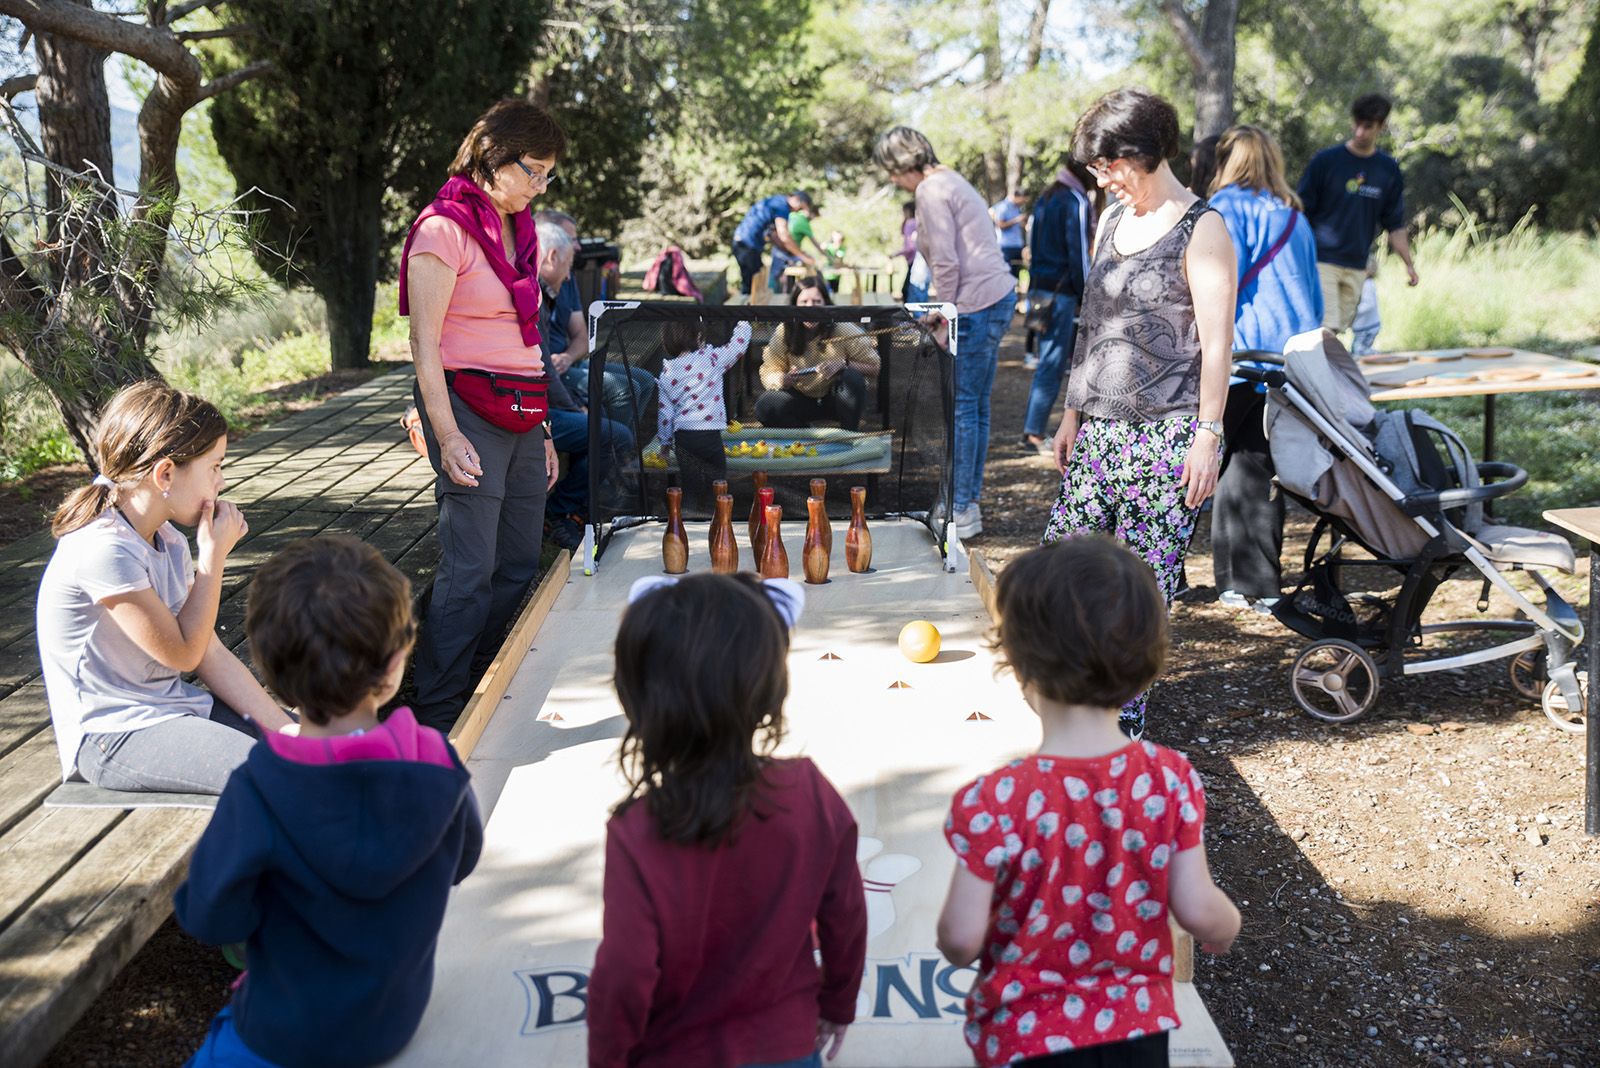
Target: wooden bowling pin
[(758, 482), (814, 557), (858, 539), (819, 490), (675, 542), (718, 488), (724, 549), (774, 559), (758, 522)]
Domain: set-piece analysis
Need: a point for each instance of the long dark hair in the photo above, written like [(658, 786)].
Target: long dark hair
[(702, 673), (798, 336)]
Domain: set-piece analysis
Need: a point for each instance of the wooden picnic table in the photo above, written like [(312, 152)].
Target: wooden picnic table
[(1432, 373), (1585, 523)]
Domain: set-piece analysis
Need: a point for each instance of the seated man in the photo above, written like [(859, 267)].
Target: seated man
[(629, 393), (567, 508), (816, 370)]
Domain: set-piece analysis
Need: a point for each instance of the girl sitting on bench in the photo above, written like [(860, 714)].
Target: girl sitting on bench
[(125, 612)]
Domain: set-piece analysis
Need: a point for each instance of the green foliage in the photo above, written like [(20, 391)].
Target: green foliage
[(355, 131), (1579, 203), (735, 122), (1525, 288)]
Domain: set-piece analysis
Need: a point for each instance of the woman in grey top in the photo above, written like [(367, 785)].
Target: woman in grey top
[(956, 236), (1141, 437)]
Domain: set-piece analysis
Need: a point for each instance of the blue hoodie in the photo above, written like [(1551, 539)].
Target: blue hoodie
[(1285, 298), (336, 875)]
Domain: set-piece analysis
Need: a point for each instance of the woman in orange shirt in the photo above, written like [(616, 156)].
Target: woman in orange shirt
[(469, 282)]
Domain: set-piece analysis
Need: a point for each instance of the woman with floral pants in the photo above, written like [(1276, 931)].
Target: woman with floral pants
[(1140, 441)]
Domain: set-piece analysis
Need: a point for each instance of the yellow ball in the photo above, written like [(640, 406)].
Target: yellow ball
[(919, 641)]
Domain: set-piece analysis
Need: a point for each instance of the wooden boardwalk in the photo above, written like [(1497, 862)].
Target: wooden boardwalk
[(82, 889)]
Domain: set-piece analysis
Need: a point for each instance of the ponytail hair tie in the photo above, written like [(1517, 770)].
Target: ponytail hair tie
[(102, 480), (786, 595)]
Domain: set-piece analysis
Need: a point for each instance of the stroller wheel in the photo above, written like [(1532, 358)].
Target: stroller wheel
[(1528, 673), (1334, 680), (1554, 703)]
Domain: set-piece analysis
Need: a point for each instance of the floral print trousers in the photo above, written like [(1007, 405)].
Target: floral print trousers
[(1122, 480)]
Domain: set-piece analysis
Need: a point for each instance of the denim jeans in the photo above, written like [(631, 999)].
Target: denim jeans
[(570, 432), (1055, 355), (813, 1061), (978, 337), (627, 394)]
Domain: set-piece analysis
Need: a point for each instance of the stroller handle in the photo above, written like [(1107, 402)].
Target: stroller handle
[(1272, 377), (1511, 478)]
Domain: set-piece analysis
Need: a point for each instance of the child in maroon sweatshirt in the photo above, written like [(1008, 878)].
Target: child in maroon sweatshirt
[(721, 858)]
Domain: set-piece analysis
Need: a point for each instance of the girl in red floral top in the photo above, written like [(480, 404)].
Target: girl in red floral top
[(1069, 860)]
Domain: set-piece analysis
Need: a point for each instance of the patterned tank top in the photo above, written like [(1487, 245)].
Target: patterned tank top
[(1138, 351)]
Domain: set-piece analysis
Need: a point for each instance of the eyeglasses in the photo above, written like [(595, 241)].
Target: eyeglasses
[(1100, 168), (540, 181)]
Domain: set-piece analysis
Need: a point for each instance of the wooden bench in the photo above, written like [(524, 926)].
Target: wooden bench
[(81, 890)]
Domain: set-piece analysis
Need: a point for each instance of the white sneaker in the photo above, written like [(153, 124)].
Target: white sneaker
[(1233, 599), (968, 521)]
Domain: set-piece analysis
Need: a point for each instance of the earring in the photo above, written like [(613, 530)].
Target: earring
[(165, 494)]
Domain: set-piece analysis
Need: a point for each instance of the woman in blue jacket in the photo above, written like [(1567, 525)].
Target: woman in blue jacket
[(1063, 226), (1279, 296)]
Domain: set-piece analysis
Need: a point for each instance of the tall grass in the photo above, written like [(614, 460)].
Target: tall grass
[(246, 353), (1526, 288), (1523, 289)]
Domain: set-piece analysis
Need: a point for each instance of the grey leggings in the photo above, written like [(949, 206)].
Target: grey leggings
[(185, 755)]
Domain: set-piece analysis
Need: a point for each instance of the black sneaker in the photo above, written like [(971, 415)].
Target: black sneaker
[(566, 533)]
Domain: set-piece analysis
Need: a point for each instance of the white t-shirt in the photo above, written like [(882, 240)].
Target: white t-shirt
[(98, 681)]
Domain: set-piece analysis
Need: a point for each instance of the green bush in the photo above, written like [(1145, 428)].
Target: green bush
[(1526, 288)]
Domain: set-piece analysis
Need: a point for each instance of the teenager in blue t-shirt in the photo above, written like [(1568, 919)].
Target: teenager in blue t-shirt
[(750, 238), (1351, 191)]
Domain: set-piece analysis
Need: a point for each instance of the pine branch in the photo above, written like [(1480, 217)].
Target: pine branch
[(21, 83), (154, 46), (211, 35), (235, 77), (1183, 25)]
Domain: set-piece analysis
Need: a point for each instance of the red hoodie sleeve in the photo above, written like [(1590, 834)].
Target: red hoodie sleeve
[(627, 964), (842, 922)]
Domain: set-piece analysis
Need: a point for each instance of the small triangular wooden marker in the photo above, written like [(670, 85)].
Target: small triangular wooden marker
[(830, 656), (978, 715), (899, 685), (552, 717)]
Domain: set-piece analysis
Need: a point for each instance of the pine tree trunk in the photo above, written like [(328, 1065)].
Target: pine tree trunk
[(1213, 79), (74, 131), (349, 286)]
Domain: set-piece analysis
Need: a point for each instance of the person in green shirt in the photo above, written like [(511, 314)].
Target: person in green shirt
[(800, 232)]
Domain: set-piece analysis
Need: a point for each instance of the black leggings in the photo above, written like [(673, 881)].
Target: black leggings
[(700, 461), (845, 400), (1148, 1051)]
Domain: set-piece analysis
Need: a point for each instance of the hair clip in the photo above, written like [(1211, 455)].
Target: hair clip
[(786, 595), (102, 480)]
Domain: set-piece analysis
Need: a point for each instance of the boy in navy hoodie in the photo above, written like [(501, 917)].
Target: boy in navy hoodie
[(331, 854)]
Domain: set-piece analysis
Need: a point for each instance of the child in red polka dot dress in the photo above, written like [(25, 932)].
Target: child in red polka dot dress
[(693, 413), (1068, 861)]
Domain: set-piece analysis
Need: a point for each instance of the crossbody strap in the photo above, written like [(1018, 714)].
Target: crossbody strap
[(1277, 247)]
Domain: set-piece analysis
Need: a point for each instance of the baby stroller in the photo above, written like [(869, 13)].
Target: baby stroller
[(1402, 487)]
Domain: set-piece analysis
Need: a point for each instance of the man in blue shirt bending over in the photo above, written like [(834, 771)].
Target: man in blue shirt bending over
[(750, 239), (1351, 191)]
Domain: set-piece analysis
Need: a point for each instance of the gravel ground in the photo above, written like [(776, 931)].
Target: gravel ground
[(1417, 888)]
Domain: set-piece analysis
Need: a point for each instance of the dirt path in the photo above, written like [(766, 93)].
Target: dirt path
[(1417, 888)]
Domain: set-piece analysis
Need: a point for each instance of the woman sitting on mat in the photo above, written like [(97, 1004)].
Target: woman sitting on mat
[(816, 370), (124, 612)]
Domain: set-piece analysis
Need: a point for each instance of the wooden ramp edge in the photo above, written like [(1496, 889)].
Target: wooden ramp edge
[(1216, 1054), (491, 689)]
